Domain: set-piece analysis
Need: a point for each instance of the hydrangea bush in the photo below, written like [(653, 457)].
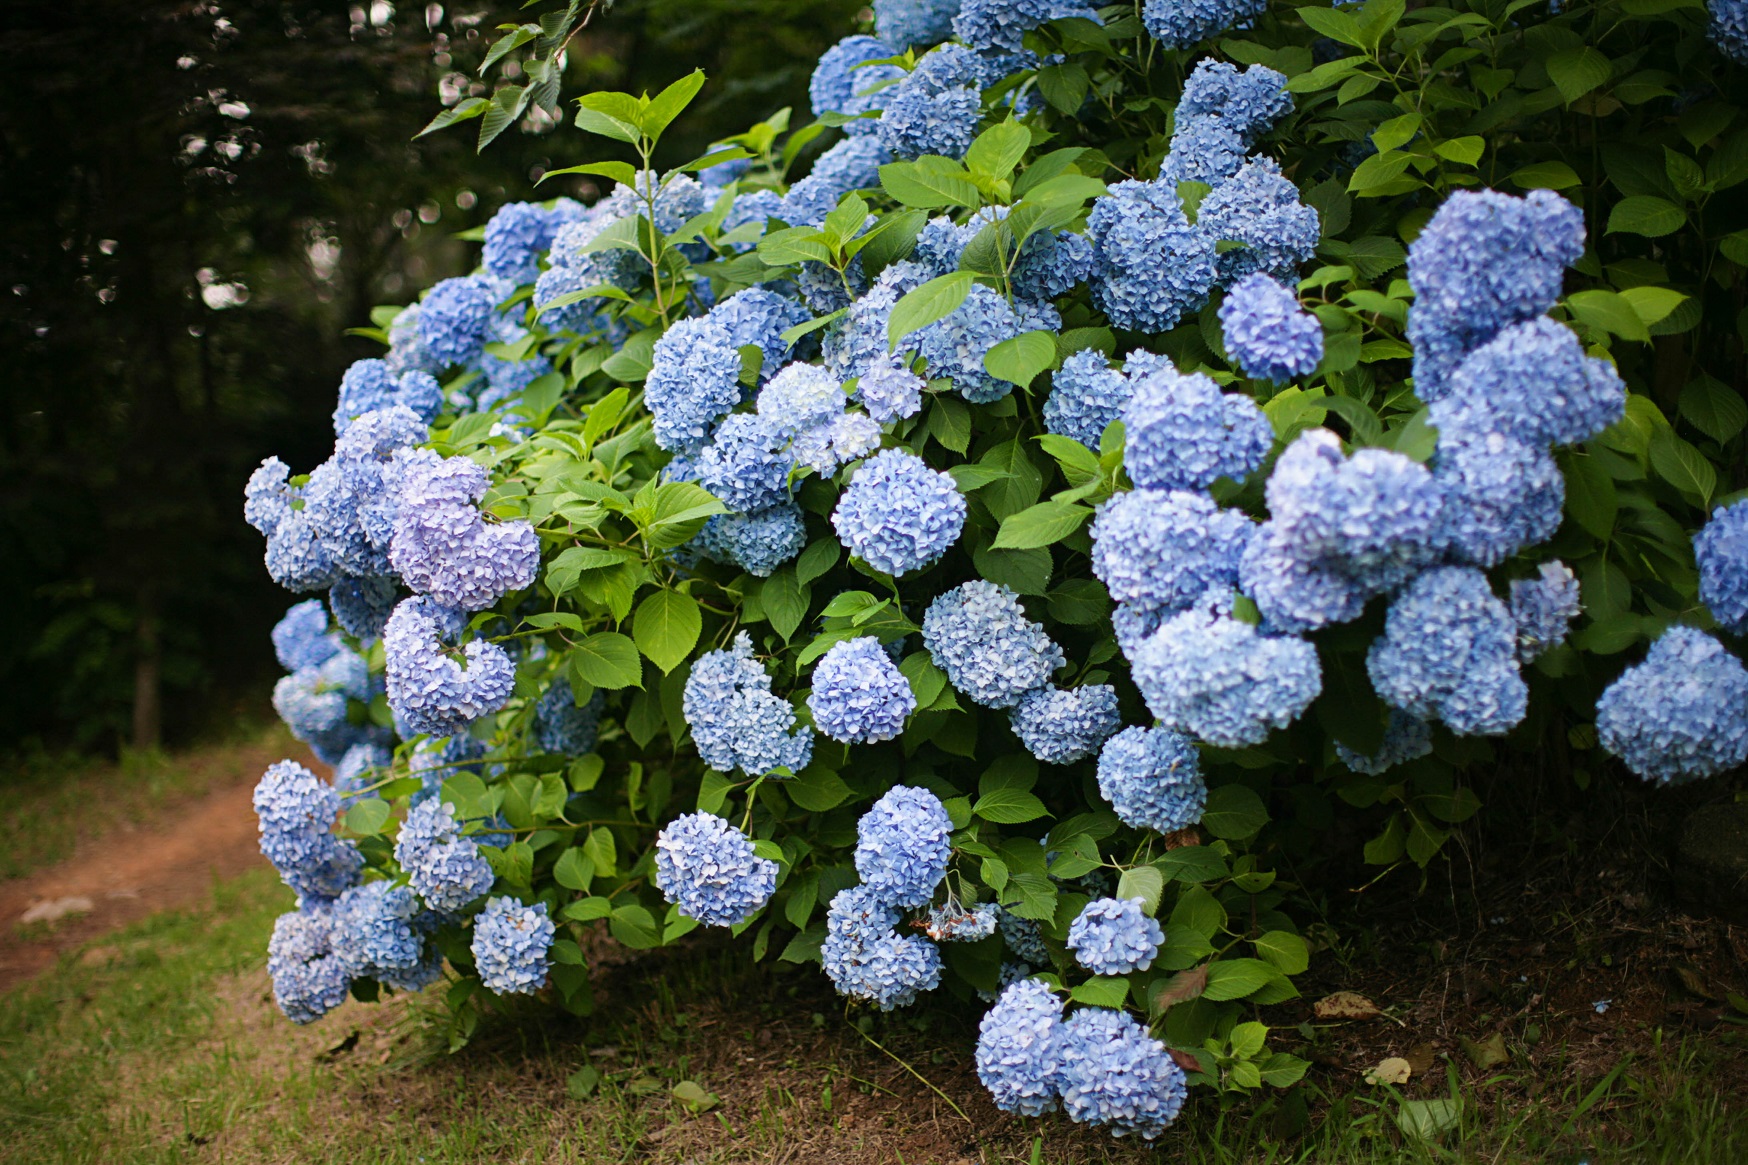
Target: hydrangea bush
[(968, 555)]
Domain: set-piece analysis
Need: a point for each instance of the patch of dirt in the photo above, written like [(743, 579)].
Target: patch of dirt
[(134, 871)]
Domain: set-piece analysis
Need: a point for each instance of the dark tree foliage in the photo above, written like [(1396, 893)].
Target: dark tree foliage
[(195, 200)]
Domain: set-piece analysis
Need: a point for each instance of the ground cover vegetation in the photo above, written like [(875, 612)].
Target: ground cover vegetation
[(1145, 444)]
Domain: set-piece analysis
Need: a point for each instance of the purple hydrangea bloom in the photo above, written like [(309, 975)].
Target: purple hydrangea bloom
[(510, 945), (979, 635), (442, 545), (1060, 726), (1153, 779), (735, 720), (1152, 266), (1019, 1049), (709, 868), (428, 686), (899, 515), (1182, 432), (858, 693), (1113, 936), (1267, 334), (1113, 1073), (1721, 550), (1449, 652), (1682, 714)]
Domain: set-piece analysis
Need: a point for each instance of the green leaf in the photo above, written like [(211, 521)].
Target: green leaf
[(1021, 358), (602, 851), (608, 660), (635, 927), (1234, 812), (1103, 991), (666, 627), (1236, 978), (1377, 170), (670, 103), (588, 909), (1652, 304), (784, 600), (949, 422), (1645, 214), (623, 172), (465, 111), (998, 149), (574, 871), (1396, 132), (1465, 151), (1682, 466), (935, 300), (367, 817), (1711, 407), (1590, 496), (1008, 807), (611, 115), (1044, 524), (817, 789), (1064, 87), (1285, 950), (1143, 882), (1608, 312), (928, 186), (1545, 176), (1576, 71)]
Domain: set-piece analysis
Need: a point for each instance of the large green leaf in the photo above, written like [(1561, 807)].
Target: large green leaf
[(1044, 524), (609, 660), (935, 300), (666, 627)]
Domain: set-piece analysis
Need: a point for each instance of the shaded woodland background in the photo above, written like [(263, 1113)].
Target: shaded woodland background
[(196, 200)]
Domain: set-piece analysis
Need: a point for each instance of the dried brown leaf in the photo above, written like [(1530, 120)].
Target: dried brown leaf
[(1346, 1005)]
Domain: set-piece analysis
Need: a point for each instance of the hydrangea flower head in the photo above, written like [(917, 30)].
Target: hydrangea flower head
[(442, 545), (1260, 208), (455, 319), (1113, 1073), (902, 845), (516, 237), (1266, 332), (694, 380), (1533, 382), (907, 23), (979, 635), (758, 542), (1183, 24), (852, 164), (889, 971), (296, 811), (1449, 652), (1682, 714), (899, 515), (510, 945), (561, 725), (842, 82), (709, 869), (955, 346), (301, 639), (1249, 100), (1182, 432), (374, 933), (1543, 609), (1151, 266), (443, 866), (859, 695), (1721, 550), (735, 720), (1086, 396), (1153, 779), (362, 606), (747, 464), (1022, 937), (1019, 1048), (1728, 28), (1062, 726), (1113, 936), (362, 764), (429, 688), (1406, 737), (309, 979), (1000, 25), (925, 118), (889, 390), (1165, 548), (369, 385), (1502, 495)]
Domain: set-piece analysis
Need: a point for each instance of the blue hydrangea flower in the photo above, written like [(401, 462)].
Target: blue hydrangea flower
[(889, 970), (296, 809), (751, 206), (747, 464), (954, 923), (1728, 28), (1501, 494), (902, 846), (1449, 652), (906, 23), (955, 346), (889, 390), (1165, 548), (842, 82), (1022, 937), (759, 316), (1543, 609), (363, 764), (313, 703), (370, 385), (1221, 680), (935, 108), (852, 164), (859, 694), (374, 933), (735, 720), (406, 352), (1113, 1073), (1113, 936), (428, 686), (444, 868), (1061, 727), (1019, 1048), (1261, 209), (1534, 383), (301, 639), (991, 25), (1086, 396), (297, 558), (309, 980), (1182, 432), (1152, 266), (362, 605), (1249, 100), (455, 319), (561, 725), (1204, 149), (1682, 714), (859, 916), (1406, 737), (979, 635), (709, 869), (1183, 24), (1267, 334), (516, 237), (510, 945), (442, 545), (1485, 261), (694, 380), (1153, 779), (899, 515), (1721, 550), (758, 542), (858, 341)]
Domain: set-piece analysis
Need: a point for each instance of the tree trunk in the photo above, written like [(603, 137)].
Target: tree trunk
[(148, 677)]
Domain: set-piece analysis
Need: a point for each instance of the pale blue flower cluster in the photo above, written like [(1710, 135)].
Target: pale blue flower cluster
[(443, 866), (735, 720), (1153, 779), (1152, 266), (563, 726), (296, 558), (1183, 24), (902, 846), (455, 319), (889, 390), (1259, 208), (852, 164), (1543, 609), (934, 109), (297, 809), (432, 686), (1728, 28), (979, 635), (1682, 714), (865, 958), (1721, 550), (758, 542), (1220, 679), (519, 234), (1406, 737), (709, 869), (1266, 332), (906, 23), (362, 606), (694, 377), (361, 765), (1162, 549), (1061, 726), (1223, 113), (1114, 1074), (1502, 495), (955, 346), (370, 385), (1182, 432), (747, 464), (899, 515), (309, 979), (1019, 1049), (1113, 936), (844, 83), (313, 703), (442, 545), (1022, 937), (510, 945), (377, 935), (1533, 382), (301, 639), (1449, 652), (998, 25), (859, 695), (1086, 395)]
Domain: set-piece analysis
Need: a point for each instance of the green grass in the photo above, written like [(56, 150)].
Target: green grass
[(158, 1045)]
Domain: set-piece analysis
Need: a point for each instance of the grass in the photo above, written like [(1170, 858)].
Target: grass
[(158, 1044)]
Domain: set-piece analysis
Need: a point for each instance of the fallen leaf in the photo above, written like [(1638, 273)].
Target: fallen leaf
[(1428, 1119), (1346, 1005), (1420, 1058), (1394, 1070), (56, 909), (582, 1082), (1695, 983), (1180, 988), (1485, 1053), (691, 1094)]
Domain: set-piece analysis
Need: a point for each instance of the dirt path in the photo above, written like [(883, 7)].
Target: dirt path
[(167, 862)]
